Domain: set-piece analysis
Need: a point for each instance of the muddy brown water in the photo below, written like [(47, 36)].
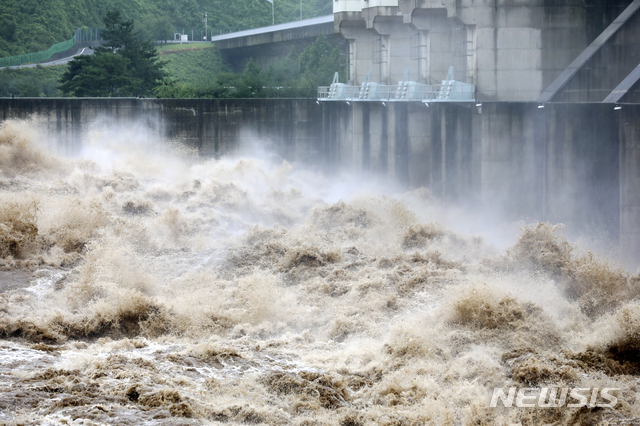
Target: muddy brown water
[(140, 284)]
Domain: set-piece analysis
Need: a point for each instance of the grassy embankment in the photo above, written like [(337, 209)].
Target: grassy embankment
[(193, 63)]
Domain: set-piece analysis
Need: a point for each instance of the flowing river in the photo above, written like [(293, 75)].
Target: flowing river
[(140, 284)]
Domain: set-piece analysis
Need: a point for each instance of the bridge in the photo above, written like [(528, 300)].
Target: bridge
[(274, 42), (571, 51)]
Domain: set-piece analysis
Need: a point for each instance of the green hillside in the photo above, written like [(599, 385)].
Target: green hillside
[(34, 25), (194, 66), (31, 82), (201, 73)]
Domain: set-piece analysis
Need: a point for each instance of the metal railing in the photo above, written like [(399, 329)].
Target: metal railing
[(405, 91), (205, 34), (80, 35), (88, 34)]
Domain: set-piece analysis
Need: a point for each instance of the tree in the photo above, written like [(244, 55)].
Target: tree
[(118, 33), (318, 63), (8, 27), (37, 81), (156, 28), (124, 65), (103, 74), (144, 66), (284, 72), (323, 7), (251, 82)]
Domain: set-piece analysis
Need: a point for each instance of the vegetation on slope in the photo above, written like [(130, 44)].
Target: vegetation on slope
[(124, 68), (31, 82), (124, 65), (34, 25), (192, 66), (203, 74)]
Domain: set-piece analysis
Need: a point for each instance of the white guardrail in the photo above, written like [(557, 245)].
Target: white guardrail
[(448, 91)]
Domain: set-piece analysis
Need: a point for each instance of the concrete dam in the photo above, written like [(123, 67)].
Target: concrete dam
[(577, 164), (349, 259), (549, 134), (548, 130)]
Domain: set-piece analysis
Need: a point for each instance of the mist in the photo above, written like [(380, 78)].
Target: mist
[(143, 282)]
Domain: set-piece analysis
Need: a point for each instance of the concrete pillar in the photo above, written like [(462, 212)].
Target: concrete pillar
[(509, 171), (424, 51), (352, 148), (419, 145), (630, 183), (382, 58), (458, 154), (472, 56), (348, 136), (582, 169), (361, 47), (401, 146), (436, 32), (353, 64), (378, 138)]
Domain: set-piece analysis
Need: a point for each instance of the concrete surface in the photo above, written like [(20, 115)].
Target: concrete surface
[(577, 164)]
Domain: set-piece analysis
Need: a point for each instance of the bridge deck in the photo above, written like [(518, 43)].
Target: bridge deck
[(275, 33), (268, 44)]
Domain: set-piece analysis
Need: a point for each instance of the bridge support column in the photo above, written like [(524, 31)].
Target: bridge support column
[(361, 47), (353, 69)]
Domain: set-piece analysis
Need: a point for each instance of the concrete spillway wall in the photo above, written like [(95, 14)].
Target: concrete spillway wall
[(577, 164), (573, 163), (291, 127)]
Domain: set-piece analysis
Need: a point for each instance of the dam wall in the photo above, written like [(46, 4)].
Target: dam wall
[(290, 127), (578, 164), (572, 163)]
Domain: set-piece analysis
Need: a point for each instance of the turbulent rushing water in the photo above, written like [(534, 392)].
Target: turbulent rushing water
[(142, 285)]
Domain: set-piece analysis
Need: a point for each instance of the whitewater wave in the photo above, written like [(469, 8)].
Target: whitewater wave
[(141, 282)]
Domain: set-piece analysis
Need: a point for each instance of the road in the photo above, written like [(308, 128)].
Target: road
[(85, 51)]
